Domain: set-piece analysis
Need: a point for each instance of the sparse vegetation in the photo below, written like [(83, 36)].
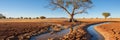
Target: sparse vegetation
[(22, 20), (21, 17), (106, 14), (37, 17), (25, 30), (10, 18), (2, 17), (26, 18), (29, 18), (42, 17)]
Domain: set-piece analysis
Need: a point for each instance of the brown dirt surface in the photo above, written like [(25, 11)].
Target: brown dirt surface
[(110, 31), (80, 33), (24, 30), (15, 29)]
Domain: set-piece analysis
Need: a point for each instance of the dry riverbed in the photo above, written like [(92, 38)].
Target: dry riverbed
[(78, 33), (25, 30)]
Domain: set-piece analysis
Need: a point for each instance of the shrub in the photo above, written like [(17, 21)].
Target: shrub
[(21, 17), (2, 16), (29, 18), (26, 18), (10, 18), (106, 14), (42, 17), (37, 17)]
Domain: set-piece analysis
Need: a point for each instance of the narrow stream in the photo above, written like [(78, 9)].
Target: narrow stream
[(46, 36), (95, 35), (90, 29)]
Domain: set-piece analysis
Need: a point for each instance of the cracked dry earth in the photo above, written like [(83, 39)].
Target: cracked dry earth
[(110, 31), (21, 30)]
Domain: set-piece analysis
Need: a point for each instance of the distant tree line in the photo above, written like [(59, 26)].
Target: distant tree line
[(4, 17), (41, 17)]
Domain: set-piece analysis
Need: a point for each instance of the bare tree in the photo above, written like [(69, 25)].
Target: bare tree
[(71, 7)]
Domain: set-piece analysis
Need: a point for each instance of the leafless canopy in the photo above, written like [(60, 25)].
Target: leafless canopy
[(71, 6)]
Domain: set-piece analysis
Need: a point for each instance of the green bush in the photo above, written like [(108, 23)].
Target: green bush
[(42, 17), (21, 17), (3, 17)]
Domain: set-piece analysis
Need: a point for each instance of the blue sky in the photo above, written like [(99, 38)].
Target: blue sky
[(35, 8)]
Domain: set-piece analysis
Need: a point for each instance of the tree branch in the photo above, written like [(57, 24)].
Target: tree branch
[(80, 12), (73, 9), (62, 7)]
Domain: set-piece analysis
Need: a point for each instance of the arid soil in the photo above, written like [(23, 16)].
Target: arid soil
[(24, 29), (111, 30), (21, 30), (58, 19), (80, 33)]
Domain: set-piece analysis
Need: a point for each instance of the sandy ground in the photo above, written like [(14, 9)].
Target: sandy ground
[(56, 20), (14, 28), (20, 30), (110, 31)]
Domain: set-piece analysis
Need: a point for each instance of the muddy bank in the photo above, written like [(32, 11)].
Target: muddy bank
[(78, 33), (21, 30), (26, 30), (53, 34), (95, 35), (110, 31)]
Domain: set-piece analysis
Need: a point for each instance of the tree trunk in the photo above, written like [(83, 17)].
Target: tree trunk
[(105, 17), (71, 18)]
